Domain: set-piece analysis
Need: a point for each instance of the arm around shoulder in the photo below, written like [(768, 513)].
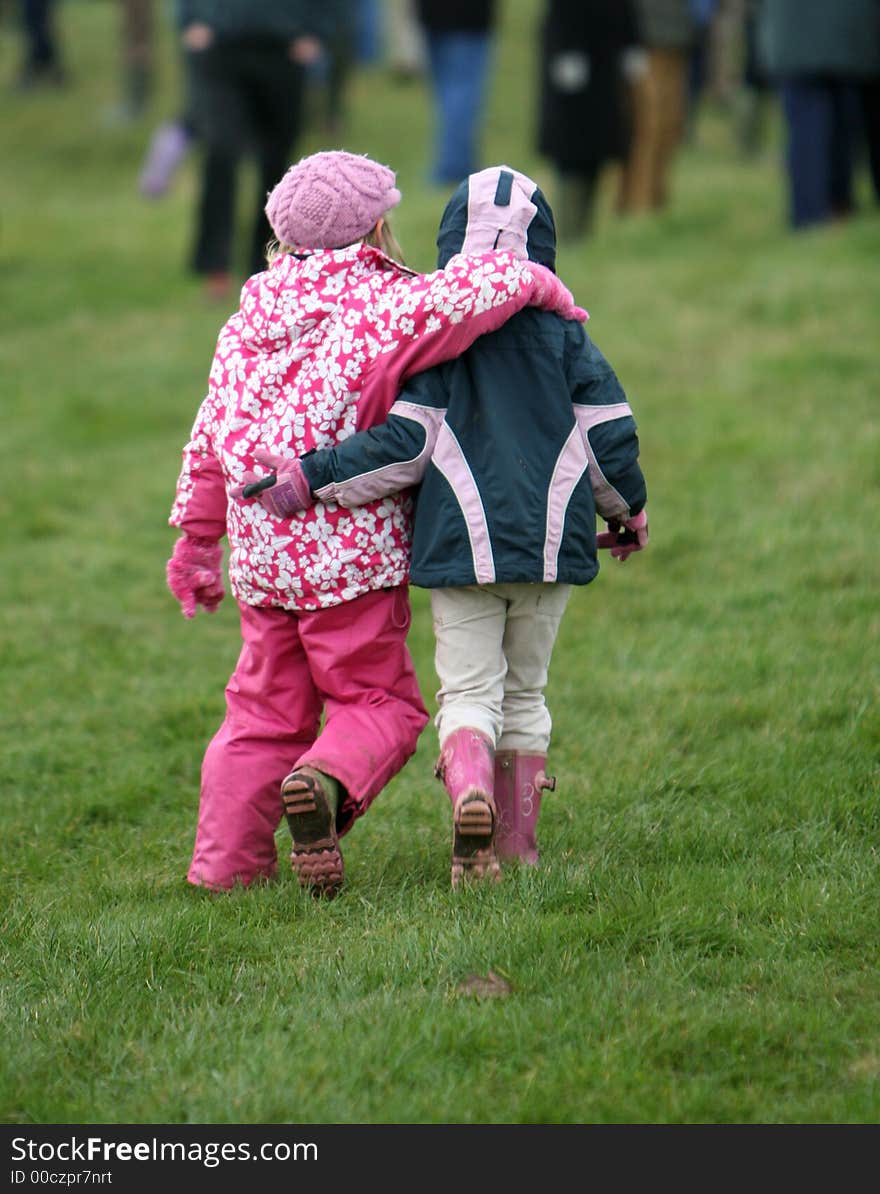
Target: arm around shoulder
[(425, 320), (381, 460)]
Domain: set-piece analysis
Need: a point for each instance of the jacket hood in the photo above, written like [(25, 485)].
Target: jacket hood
[(498, 208), (299, 291)]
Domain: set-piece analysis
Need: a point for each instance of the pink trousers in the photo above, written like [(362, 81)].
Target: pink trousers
[(349, 664)]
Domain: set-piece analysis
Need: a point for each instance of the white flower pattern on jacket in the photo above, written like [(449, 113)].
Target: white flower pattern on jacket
[(317, 350)]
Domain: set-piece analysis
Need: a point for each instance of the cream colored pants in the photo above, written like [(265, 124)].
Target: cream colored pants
[(493, 648)]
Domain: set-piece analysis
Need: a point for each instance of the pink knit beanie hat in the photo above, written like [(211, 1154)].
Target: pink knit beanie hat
[(330, 199)]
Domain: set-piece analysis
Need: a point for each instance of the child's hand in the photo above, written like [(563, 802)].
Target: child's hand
[(290, 492), (624, 543), (194, 574), (552, 294)]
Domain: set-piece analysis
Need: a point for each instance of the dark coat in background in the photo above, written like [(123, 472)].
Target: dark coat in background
[(669, 24), (276, 18), (457, 16), (582, 115), (820, 37)]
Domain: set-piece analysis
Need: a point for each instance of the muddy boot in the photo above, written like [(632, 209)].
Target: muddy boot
[(310, 799), (519, 781), (466, 768)]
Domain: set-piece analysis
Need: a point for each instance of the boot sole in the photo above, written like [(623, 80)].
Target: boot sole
[(315, 858), (473, 841)]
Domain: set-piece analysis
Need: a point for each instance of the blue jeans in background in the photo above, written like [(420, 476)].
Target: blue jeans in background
[(822, 120), (369, 31), (459, 64), (37, 19)]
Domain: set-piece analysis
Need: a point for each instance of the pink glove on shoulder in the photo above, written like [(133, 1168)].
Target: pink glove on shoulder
[(194, 574), (624, 543), (287, 494), (552, 294)]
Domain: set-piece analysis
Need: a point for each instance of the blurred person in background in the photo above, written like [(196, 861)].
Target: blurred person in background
[(41, 62), (658, 99), (587, 47), (138, 60), (701, 64), (824, 58), (405, 40), (869, 94), (756, 94), (368, 19), (329, 75), (170, 145), (459, 38), (324, 104), (353, 41), (245, 63)]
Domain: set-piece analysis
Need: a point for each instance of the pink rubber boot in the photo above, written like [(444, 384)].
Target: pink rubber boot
[(519, 781), (466, 768)]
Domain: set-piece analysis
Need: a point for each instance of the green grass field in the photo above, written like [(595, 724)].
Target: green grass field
[(701, 943)]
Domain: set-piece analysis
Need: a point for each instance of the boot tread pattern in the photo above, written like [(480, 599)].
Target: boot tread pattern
[(473, 841), (315, 858)]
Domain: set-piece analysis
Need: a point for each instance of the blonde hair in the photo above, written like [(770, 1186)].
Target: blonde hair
[(381, 238)]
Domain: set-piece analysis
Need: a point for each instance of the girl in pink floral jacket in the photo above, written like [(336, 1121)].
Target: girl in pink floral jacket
[(318, 349)]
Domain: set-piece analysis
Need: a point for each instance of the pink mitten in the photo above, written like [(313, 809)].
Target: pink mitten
[(290, 491), (624, 543), (553, 295), (194, 574)]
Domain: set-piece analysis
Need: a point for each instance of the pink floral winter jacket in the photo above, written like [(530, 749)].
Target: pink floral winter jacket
[(317, 350)]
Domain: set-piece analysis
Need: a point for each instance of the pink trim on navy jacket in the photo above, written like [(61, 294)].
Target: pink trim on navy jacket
[(390, 478), (450, 460), (570, 466), (609, 502)]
